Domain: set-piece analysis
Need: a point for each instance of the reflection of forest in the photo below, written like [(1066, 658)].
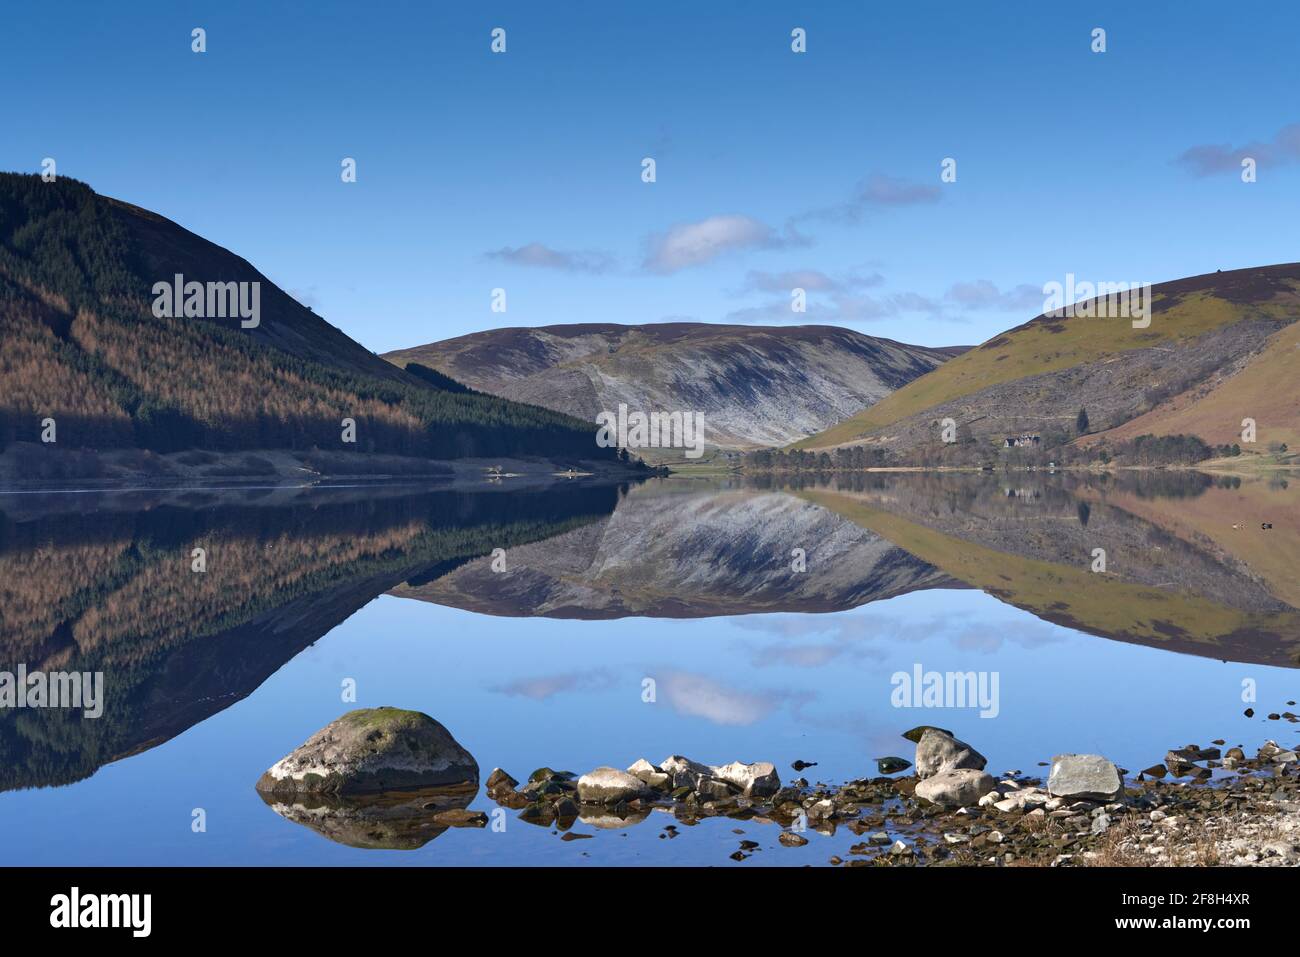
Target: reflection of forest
[(115, 592)]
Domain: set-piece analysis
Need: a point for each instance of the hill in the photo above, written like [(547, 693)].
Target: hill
[(754, 386), (1219, 347), (83, 346)]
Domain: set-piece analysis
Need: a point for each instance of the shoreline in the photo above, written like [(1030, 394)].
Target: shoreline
[(285, 470), (1201, 807)]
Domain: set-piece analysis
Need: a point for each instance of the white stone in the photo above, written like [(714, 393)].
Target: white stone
[(955, 788), (754, 780), (609, 786)]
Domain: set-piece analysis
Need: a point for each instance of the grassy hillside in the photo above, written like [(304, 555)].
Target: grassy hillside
[(1183, 311), (82, 346)]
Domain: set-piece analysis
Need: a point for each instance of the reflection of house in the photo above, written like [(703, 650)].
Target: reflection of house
[(1020, 441), (1022, 492)]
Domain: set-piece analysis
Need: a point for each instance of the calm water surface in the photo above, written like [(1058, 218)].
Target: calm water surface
[(212, 678)]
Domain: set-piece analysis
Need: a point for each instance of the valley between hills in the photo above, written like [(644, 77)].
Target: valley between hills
[(94, 387)]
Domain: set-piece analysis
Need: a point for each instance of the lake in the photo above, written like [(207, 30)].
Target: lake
[(584, 626)]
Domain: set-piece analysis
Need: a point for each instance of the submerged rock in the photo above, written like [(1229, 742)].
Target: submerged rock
[(372, 750), (892, 764), (392, 820), (939, 751), (1084, 776), (499, 779)]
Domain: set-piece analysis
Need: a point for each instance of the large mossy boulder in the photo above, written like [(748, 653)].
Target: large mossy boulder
[(372, 750)]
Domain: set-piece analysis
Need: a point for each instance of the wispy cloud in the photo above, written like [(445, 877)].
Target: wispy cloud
[(1210, 158), (877, 191), (983, 294), (842, 301), (811, 280), (694, 244), (544, 257)]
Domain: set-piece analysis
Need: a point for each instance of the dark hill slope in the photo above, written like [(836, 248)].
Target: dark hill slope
[(82, 346)]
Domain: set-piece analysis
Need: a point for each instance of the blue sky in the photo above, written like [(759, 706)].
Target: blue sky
[(522, 170)]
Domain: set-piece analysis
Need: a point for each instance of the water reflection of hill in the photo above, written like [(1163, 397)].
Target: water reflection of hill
[(677, 550), (114, 592), (1177, 575), (106, 585), (1168, 583)]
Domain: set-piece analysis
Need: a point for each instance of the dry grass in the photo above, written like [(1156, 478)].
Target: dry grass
[(1119, 847)]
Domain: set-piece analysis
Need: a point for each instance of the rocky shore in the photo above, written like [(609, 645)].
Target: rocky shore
[(1200, 807), (391, 778)]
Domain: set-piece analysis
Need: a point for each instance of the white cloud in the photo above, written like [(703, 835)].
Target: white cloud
[(543, 256), (694, 244)]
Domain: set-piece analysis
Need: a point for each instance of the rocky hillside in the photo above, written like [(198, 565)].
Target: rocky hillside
[(84, 345), (1219, 348), (754, 386)]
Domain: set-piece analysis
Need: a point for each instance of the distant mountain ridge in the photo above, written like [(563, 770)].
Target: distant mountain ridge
[(754, 386)]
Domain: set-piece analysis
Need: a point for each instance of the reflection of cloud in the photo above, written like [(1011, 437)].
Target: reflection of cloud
[(857, 635), (699, 697), (1024, 633), (547, 686), (796, 656)]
